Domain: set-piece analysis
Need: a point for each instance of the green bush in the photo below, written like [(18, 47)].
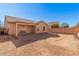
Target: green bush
[(55, 25), (65, 25)]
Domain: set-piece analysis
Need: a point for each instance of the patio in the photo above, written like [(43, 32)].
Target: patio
[(39, 44)]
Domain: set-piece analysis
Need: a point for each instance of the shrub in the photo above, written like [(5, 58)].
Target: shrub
[(65, 25), (55, 24)]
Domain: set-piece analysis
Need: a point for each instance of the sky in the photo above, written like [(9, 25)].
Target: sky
[(48, 12)]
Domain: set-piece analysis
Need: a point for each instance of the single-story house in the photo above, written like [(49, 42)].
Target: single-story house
[(15, 26)]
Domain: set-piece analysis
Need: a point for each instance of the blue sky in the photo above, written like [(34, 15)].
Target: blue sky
[(41, 11)]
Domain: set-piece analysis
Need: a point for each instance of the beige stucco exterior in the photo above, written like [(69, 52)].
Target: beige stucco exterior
[(27, 28), (40, 27), (11, 28), (15, 27)]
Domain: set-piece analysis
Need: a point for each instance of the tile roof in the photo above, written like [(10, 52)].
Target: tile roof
[(15, 19), (42, 22)]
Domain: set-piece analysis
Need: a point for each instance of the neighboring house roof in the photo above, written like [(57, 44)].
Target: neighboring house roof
[(16, 19), (42, 22)]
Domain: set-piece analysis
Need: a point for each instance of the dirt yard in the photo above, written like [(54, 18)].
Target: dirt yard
[(39, 44)]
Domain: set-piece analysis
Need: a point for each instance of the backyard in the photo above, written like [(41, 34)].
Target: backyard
[(39, 44)]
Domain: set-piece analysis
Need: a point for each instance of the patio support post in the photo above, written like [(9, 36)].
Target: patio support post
[(16, 30)]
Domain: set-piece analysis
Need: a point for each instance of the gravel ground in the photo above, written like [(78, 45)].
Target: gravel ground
[(39, 44)]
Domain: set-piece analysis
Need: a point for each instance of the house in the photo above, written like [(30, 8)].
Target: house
[(15, 26)]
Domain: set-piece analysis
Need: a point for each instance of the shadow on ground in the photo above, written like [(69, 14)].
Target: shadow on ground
[(26, 39)]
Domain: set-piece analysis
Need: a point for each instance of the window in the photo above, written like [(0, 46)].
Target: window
[(43, 28)]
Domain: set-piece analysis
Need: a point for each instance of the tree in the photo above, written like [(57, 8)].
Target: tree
[(0, 23), (65, 25), (55, 24), (76, 26), (1, 28)]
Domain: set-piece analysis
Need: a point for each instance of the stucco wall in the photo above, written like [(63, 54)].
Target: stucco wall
[(64, 30), (11, 27), (40, 27), (25, 28)]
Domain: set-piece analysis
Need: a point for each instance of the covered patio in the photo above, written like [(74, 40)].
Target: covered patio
[(20, 28)]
